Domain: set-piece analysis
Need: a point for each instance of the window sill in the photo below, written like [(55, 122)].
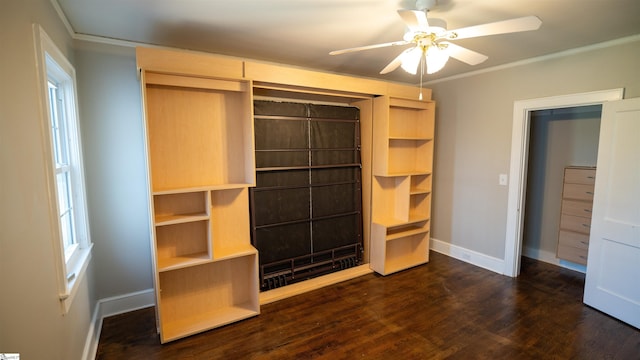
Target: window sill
[(75, 274)]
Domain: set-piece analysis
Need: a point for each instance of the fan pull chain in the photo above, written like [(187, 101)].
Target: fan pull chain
[(423, 60)]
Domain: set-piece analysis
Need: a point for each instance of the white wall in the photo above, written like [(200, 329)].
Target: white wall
[(473, 135), (112, 131), (31, 320)]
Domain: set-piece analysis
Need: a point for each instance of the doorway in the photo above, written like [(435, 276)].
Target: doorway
[(520, 140), (558, 138)]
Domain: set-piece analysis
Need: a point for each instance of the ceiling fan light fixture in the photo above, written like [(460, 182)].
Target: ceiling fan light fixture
[(436, 58), (411, 59), (431, 40)]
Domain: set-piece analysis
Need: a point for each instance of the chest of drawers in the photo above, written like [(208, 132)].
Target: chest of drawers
[(575, 217)]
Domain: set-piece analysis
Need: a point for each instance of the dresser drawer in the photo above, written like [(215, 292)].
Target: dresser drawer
[(578, 192), (575, 223), (572, 254), (580, 176), (573, 239), (577, 208)]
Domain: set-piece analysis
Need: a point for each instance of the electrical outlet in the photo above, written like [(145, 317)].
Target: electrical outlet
[(503, 179)]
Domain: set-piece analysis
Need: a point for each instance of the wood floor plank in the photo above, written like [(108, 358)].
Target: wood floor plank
[(445, 309)]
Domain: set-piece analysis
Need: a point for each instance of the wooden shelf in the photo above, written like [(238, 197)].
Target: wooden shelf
[(203, 188), (239, 250), (207, 320), (398, 233), (411, 138), (179, 262), (200, 153), (162, 220), (395, 222), (401, 191)]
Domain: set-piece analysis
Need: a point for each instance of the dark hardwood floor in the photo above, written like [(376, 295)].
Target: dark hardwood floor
[(446, 309)]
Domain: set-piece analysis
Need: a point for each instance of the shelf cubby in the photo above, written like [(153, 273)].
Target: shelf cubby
[(400, 247), (182, 244), (180, 207), (391, 203), (419, 206), (420, 184), (198, 298), (196, 121), (229, 223), (408, 122), (401, 252), (407, 157)]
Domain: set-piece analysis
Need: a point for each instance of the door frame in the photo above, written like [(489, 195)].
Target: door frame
[(519, 161)]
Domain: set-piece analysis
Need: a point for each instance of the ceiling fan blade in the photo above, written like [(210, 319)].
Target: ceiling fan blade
[(463, 54), (416, 20), (393, 64), (367, 47), (526, 23)]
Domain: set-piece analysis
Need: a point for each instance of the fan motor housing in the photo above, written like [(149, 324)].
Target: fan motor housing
[(425, 4)]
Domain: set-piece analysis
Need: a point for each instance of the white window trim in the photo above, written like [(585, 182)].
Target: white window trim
[(69, 272)]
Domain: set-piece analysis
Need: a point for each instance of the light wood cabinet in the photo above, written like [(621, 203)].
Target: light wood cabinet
[(401, 190), (199, 133), (200, 151), (575, 218)]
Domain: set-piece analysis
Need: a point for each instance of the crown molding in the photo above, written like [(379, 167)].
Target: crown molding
[(564, 53), (63, 18)]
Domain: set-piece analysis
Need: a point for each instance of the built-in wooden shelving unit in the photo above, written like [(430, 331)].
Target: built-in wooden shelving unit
[(201, 162), (401, 192)]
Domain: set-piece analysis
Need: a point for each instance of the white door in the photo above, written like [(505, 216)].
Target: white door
[(613, 266)]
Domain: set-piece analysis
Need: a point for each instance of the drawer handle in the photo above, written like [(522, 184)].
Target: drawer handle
[(586, 225), (589, 192), (585, 242), (587, 210), (591, 177)]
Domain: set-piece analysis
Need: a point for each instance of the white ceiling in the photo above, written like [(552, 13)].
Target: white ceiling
[(302, 32)]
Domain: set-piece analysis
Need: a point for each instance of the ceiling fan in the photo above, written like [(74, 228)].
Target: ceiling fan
[(431, 40)]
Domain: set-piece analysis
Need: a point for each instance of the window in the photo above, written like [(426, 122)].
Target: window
[(70, 228), (60, 143)]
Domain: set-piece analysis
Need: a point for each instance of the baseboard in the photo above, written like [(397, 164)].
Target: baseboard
[(540, 255), (469, 256), (93, 336), (128, 302), (113, 306), (550, 257)]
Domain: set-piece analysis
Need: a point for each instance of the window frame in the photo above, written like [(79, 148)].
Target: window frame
[(71, 264)]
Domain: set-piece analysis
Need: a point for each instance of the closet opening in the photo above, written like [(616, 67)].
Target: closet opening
[(516, 202), (563, 145)]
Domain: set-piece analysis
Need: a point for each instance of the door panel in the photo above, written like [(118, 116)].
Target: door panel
[(613, 269)]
